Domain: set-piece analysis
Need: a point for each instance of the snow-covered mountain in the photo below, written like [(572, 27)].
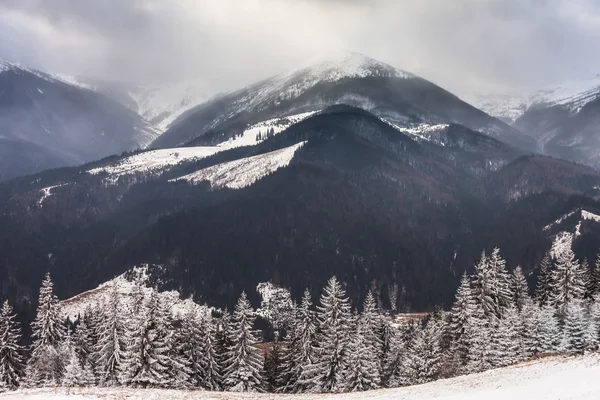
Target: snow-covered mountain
[(564, 119), (573, 96), (52, 120), (395, 95)]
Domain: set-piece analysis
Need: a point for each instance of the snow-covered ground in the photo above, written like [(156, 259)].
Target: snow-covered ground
[(564, 378), (156, 160), (244, 172), (250, 134)]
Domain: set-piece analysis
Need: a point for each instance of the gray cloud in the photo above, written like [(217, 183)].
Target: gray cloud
[(463, 45)]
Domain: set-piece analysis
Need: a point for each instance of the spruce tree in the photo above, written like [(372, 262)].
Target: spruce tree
[(567, 280), (334, 318), (11, 352), (394, 365), (575, 328), (460, 314), (543, 289), (212, 377), (244, 365), (594, 283), (111, 340), (519, 288), (363, 363), (192, 336), (501, 282), (424, 356), (477, 334), (273, 368), (178, 363), (300, 352), (548, 331), (147, 354), (74, 374), (45, 366), (223, 342)]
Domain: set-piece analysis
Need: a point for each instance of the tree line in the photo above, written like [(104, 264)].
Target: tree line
[(138, 341)]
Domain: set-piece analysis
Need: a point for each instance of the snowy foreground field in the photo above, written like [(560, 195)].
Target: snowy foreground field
[(565, 378)]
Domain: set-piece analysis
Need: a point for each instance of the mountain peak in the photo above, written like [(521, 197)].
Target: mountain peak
[(347, 64)]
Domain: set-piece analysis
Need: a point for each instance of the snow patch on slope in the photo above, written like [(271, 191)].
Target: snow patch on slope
[(155, 161), (241, 173), (562, 218), (47, 192), (551, 378), (276, 125), (75, 306)]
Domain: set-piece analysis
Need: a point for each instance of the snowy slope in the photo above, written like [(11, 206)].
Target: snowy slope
[(155, 161), (75, 306), (275, 125), (554, 378), (572, 95), (244, 172), (68, 79), (563, 240)]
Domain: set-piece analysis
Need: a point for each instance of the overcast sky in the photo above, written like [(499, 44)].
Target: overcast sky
[(462, 45)]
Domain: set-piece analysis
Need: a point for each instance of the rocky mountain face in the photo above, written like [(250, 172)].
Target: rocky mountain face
[(47, 121)]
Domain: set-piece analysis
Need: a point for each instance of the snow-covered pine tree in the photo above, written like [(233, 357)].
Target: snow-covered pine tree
[(594, 285), (592, 332), (574, 330), (528, 323), (548, 330), (543, 289), (191, 335), (519, 288), (178, 362), (478, 333), (501, 282), (11, 352), (567, 280), (370, 320), (424, 357), (74, 374), (147, 354), (586, 273), (92, 318), (334, 317), (223, 342), (393, 368), (84, 346), (484, 282), (300, 352), (44, 366), (244, 365), (459, 316), (111, 340), (505, 340), (212, 375), (363, 363)]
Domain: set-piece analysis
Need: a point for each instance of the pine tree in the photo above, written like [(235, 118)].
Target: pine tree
[(477, 334), (111, 341), (501, 282), (519, 288), (548, 331), (574, 330), (300, 353), (212, 376), (567, 280), (192, 335), (527, 328), (543, 289), (484, 285), (364, 365), (592, 332), (595, 280), (244, 362), (586, 274), (84, 346), (334, 317), (45, 366), (460, 314), (370, 321), (178, 363), (223, 342), (393, 368), (424, 357), (147, 356), (74, 374), (273, 368), (11, 352), (505, 340), (92, 318)]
